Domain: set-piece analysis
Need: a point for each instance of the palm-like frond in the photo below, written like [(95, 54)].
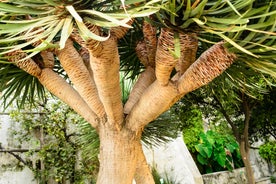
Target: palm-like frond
[(248, 27), (130, 64), (27, 22), (15, 83)]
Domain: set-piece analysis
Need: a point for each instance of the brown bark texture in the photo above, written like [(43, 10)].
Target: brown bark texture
[(121, 157), (165, 60), (60, 88), (245, 154), (75, 67), (188, 50), (243, 138), (105, 64), (143, 82), (244, 142)]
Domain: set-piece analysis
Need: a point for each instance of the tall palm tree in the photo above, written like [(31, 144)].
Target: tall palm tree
[(71, 48)]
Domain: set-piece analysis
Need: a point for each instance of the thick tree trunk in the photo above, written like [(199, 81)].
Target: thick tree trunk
[(120, 152)]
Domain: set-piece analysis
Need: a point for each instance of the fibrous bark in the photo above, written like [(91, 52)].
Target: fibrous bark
[(188, 50), (28, 65), (165, 59), (118, 156), (150, 40), (78, 73), (158, 99), (105, 64), (208, 66), (143, 82)]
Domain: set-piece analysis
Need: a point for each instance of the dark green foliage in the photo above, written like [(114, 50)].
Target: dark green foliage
[(263, 120), (268, 151), (191, 123), (162, 130), (217, 152), (17, 84), (212, 151), (130, 64)]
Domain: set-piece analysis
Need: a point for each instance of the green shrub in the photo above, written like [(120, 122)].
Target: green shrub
[(268, 151), (217, 152)]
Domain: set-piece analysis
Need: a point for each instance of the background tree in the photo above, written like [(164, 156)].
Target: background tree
[(263, 118), (214, 150), (235, 103), (184, 46)]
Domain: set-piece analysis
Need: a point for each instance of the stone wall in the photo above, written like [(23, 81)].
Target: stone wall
[(262, 172), (226, 177)]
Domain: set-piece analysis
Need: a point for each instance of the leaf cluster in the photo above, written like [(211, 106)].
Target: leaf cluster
[(17, 84), (263, 118), (26, 22), (268, 151), (217, 152)]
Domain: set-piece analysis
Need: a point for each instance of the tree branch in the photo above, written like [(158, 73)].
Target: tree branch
[(16, 150), (165, 60), (156, 97), (105, 63), (228, 119), (207, 67), (81, 78), (28, 65), (60, 88), (150, 41), (144, 81), (11, 151), (246, 110), (188, 46)]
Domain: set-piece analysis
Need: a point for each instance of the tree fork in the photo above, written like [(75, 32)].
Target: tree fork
[(157, 97)]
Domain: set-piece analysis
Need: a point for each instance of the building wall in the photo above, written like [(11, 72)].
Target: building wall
[(175, 161), (9, 174)]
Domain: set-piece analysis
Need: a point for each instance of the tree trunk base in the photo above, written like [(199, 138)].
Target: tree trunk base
[(122, 158)]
